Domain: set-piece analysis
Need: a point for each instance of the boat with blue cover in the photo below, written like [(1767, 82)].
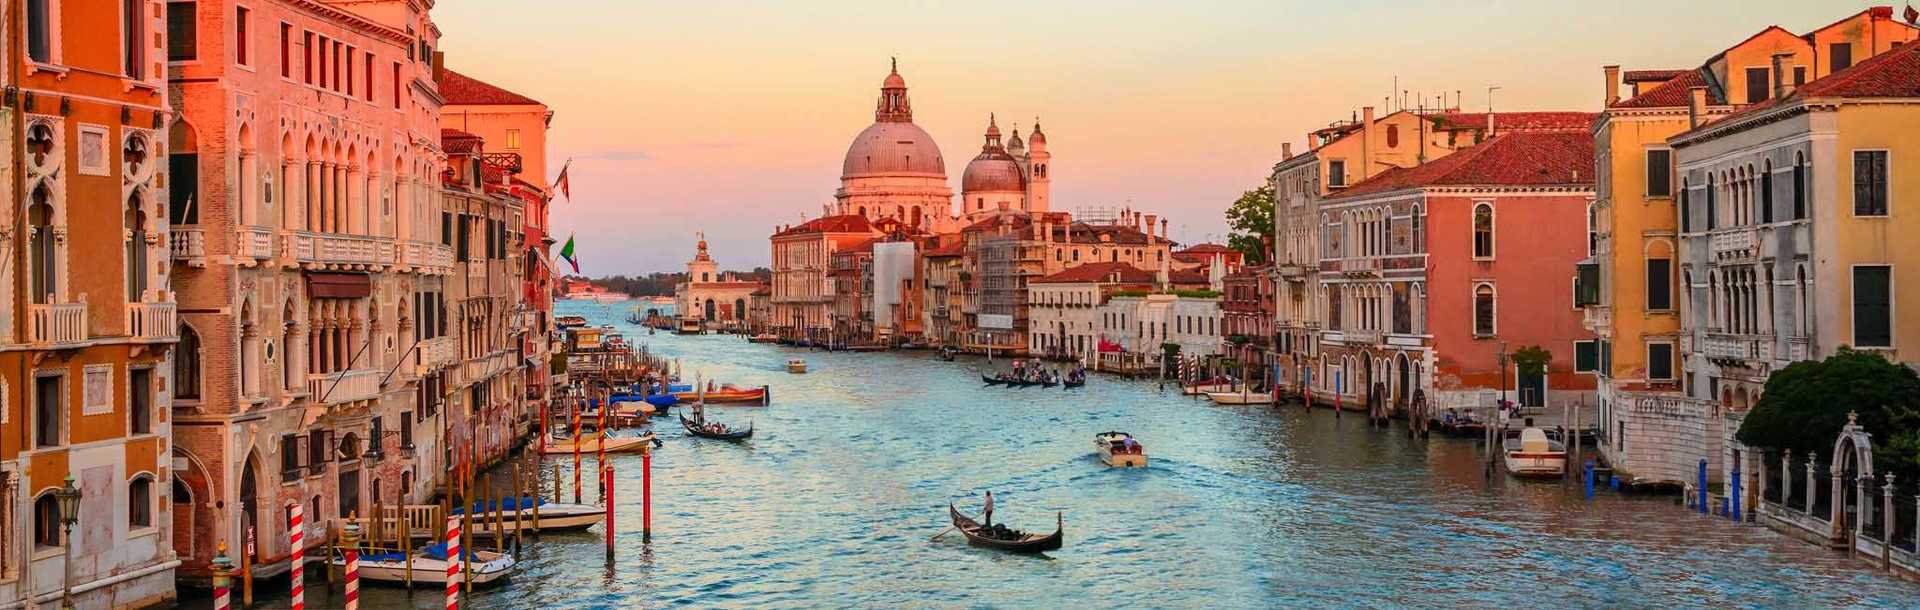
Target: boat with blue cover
[(429, 565)]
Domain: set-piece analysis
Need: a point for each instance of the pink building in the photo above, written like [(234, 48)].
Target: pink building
[(1433, 272)]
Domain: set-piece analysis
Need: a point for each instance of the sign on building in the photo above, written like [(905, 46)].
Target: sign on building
[(996, 321)]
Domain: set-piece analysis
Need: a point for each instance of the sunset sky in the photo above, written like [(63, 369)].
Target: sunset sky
[(732, 117)]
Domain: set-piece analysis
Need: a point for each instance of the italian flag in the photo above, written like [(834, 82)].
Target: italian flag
[(566, 252)]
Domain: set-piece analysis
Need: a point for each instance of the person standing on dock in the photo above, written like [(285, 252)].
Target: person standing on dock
[(989, 515)]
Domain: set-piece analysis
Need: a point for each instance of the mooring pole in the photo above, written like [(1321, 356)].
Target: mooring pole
[(646, 496)]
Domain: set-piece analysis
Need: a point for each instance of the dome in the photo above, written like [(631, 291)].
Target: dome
[(893, 148), (993, 171)]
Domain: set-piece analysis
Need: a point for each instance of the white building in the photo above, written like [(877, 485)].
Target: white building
[(1063, 319)]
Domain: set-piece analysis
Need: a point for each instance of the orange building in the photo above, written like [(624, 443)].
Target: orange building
[(89, 320)]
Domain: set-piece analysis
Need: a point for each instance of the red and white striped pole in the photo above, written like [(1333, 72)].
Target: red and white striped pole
[(296, 533), (222, 579), (453, 563), (350, 537)]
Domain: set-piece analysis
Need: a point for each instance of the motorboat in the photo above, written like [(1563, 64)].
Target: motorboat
[(1207, 386), (1534, 454), (429, 565), (592, 444), (796, 365), (1243, 396), (729, 394), (1120, 450), (554, 516), (763, 338)]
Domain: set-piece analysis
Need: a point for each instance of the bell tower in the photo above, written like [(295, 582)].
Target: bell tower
[(1039, 178)]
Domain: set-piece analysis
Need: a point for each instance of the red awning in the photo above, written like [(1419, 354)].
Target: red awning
[(331, 285)]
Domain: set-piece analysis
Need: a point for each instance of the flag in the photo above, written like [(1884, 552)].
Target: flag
[(560, 183), (566, 251), (1913, 16)]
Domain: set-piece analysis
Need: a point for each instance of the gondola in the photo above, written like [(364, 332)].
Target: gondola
[(1020, 543), (1049, 383), (1071, 384), (992, 381), (733, 435)]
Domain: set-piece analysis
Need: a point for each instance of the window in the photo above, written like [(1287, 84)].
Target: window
[(46, 521), (1586, 356), (1393, 136), (1872, 306), (320, 59), (1766, 193), (346, 60), (1593, 229), (186, 365), (336, 58), (366, 75), (1336, 173), (1686, 212), (1840, 56), (1483, 230), (133, 30), (306, 50), (290, 456), (1659, 284), (1799, 76), (1758, 89), (286, 50), (242, 43), (49, 411), (513, 139), (316, 451), (140, 502), (183, 31), (396, 85), (1799, 186), (40, 30), (140, 401), (1659, 361), (1869, 183), (406, 431), (41, 248), (1483, 310), (1659, 172), (1419, 230)]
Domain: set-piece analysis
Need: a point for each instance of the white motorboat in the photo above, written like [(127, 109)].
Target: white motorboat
[(796, 365), (1534, 454), (1120, 450), (429, 565), (1240, 397), (554, 517)]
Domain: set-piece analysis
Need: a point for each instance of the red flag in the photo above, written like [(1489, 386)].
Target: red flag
[(561, 182), (1913, 16)]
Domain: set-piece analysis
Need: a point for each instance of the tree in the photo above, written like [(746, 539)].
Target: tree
[(1804, 406), (1532, 361), (1250, 220)]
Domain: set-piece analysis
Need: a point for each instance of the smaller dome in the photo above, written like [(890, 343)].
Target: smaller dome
[(894, 82), (993, 171)]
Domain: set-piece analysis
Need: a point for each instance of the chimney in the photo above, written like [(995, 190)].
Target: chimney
[(1163, 228), (439, 66), (1613, 84), (1696, 106), (1490, 131), (1780, 84), (1286, 150), (1366, 141), (1149, 231)]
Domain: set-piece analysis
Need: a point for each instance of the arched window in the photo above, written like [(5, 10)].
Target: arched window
[(1799, 186), (1713, 212), (1483, 230), (1805, 324), (1766, 193), (140, 502), (186, 365), (1686, 211), (136, 255), (1483, 310), (46, 521), (41, 248), (1419, 230), (183, 175)]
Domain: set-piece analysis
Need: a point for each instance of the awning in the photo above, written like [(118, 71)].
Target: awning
[(334, 285)]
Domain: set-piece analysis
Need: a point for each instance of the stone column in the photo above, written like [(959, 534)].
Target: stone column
[(1786, 479), (312, 200), (1812, 458), (1886, 523)]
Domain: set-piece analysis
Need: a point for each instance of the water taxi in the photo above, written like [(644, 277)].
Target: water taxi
[(429, 565), (689, 325), (554, 516), (796, 365), (562, 445), (728, 394), (1120, 450), (1534, 454), (1241, 397), (1204, 387)]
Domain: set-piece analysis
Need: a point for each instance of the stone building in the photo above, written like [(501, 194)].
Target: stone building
[(485, 304), (1064, 318), (310, 260), (718, 299), (87, 320), (803, 293)]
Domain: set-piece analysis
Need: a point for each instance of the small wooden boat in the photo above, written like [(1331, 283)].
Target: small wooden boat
[(729, 435), (1240, 398), (591, 444), (1073, 383), (1120, 450), (430, 564), (763, 338), (554, 516), (1206, 387), (796, 365), (570, 321), (1533, 454), (729, 394), (866, 348), (1007, 539)]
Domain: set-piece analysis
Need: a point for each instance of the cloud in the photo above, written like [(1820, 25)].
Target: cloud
[(618, 155)]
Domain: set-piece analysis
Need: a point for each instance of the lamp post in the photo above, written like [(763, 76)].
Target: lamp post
[(69, 498)]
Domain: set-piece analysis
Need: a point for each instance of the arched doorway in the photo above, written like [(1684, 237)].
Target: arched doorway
[(709, 309), (1852, 463), (739, 310), (1403, 386), (250, 500)]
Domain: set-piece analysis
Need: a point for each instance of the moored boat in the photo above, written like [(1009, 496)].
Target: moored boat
[(554, 516), (429, 565), (1243, 397), (1120, 450), (1533, 454), (763, 338), (729, 394), (1000, 537), (591, 444), (796, 365), (1206, 387)]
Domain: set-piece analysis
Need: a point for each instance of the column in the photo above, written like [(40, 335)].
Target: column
[(310, 184), (1812, 458), (1886, 521), (1786, 478)]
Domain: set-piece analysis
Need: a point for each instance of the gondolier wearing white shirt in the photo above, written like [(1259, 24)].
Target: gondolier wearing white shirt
[(989, 515)]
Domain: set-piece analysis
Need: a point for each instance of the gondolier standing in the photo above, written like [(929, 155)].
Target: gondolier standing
[(989, 515)]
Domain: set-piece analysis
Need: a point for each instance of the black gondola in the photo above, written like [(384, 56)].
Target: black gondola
[(1071, 384), (731, 435), (1018, 542), (992, 381), (1049, 383)]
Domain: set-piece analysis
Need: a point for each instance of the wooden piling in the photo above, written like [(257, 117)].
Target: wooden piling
[(518, 494), (403, 540)]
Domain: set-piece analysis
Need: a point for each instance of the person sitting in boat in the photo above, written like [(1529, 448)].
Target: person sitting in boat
[(1449, 418)]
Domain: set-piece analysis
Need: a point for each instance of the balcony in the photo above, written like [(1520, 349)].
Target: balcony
[(338, 252), (425, 257), (253, 245), (344, 386), (1295, 271), (1798, 349), (152, 322), (436, 353), (1733, 243), (1596, 317), (1721, 346), (188, 243), (53, 325), (1360, 267), (1360, 337)]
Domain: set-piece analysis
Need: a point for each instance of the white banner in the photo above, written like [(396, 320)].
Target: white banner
[(996, 321)]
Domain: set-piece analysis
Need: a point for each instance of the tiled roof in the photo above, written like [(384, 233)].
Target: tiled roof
[(864, 247), (1516, 121), (1514, 158), (1893, 74), (457, 142), (1188, 277), (846, 223), (948, 250), (1673, 94), (462, 90), (1660, 76), (724, 285), (1108, 272), (1204, 249)]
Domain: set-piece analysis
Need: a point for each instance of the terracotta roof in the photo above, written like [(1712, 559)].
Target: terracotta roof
[(1204, 249), (864, 247), (458, 142), (1108, 272), (1515, 158), (1893, 74), (949, 250), (763, 290), (462, 90), (846, 223), (1516, 121), (1673, 94), (1188, 277), (1641, 76), (726, 284)]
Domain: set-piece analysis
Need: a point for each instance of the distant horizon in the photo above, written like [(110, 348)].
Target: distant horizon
[(677, 123)]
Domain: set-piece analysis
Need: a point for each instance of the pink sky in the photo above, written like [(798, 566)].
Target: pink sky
[(731, 117)]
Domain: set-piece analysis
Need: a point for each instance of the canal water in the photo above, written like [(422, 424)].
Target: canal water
[(849, 472)]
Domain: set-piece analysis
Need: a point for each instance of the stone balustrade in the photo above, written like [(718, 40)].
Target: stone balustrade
[(338, 251), (254, 243), (51, 324), (437, 353), (1733, 243), (344, 386), (187, 242), (152, 322)]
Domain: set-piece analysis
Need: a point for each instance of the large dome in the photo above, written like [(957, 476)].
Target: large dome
[(992, 171), (893, 149)]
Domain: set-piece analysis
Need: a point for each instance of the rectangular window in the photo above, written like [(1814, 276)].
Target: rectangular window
[(40, 29), (1660, 361), (375, 435), (140, 503), (320, 61), (462, 235), (1758, 89), (406, 431), (339, 57), (366, 75), (286, 50), (513, 143), (306, 50), (183, 35), (1869, 183), (1586, 356), (1659, 172), (347, 61), (1839, 56), (1799, 76), (140, 401), (49, 411), (133, 30), (1873, 306), (396, 85), (446, 228), (1659, 284), (290, 456), (242, 44), (317, 446), (1336, 173)]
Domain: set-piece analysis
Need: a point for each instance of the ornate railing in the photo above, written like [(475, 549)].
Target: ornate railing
[(1733, 243), (334, 249), (152, 322), (187, 242), (1595, 317), (1738, 347), (56, 323), (344, 386), (437, 353), (425, 257), (254, 242)]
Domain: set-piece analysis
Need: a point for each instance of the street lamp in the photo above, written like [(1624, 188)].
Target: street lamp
[(69, 498)]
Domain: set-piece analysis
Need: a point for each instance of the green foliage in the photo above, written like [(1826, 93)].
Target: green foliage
[(1250, 219), (1806, 404), (1129, 293), (1195, 294), (1170, 351), (557, 365), (1532, 360)]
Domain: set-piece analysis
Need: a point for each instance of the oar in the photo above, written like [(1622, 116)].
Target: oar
[(942, 533)]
